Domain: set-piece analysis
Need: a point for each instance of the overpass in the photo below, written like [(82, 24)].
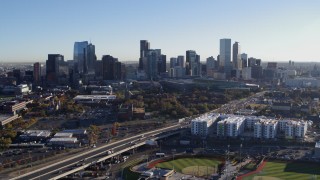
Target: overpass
[(118, 151), (97, 154)]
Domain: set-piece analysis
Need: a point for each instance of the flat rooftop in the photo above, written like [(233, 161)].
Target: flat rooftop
[(95, 97), (63, 140), (63, 134), (42, 133)]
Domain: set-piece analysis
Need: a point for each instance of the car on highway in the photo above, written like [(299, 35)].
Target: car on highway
[(110, 151)]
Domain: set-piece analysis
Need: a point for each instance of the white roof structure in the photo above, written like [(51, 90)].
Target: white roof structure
[(62, 134), (37, 133), (95, 97), (66, 140)]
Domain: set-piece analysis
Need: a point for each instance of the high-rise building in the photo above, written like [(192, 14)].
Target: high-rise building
[(28, 76), (244, 58), (177, 71), (246, 73), (112, 69), (99, 69), (236, 56), (108, 67), (63, 76), (79, 56), (173, 62), (144, 48), (254, 62), (193, 67), (37, 73), (153, 57), (210, 66), (225, 57), (17, 75), (181, 62), (119, 71), (91, 59), (211, 63), (162, 64), (52, 68)]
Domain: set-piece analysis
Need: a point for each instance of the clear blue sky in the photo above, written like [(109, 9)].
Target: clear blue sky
[(273, 30)]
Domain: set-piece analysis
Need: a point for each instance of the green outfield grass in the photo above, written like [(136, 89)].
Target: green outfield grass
[(198, 166), (291, 170)]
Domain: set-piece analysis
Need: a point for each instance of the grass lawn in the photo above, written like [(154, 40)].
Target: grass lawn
[(188, 165), (291, 170)]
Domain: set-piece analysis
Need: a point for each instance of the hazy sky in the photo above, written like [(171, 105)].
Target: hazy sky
[(278, 30)]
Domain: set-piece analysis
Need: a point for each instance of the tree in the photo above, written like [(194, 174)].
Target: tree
[(203, 98), (93, 134), (4, 143)]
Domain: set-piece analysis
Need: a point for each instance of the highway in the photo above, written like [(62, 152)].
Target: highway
[(92, 155)]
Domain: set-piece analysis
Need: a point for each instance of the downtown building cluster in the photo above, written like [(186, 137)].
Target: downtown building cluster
[(153, 65), (229, 64), (83, 68), (234, 126)]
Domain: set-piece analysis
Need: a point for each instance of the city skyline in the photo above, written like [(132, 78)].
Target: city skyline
[(270, 30)]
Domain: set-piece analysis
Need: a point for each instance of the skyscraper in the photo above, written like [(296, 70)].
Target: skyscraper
[(98, 69), (112, 69), (254, 62), (210, 66), (108, 67), (79, 56), (153, 56), (90, 59), (244, 59), (193, 63), (119, 71), (211, 63), (236, 57), (52, 68), (173, 62), (181, 62), (36, 72), (225, 56), (144, 48), (162, 64)]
